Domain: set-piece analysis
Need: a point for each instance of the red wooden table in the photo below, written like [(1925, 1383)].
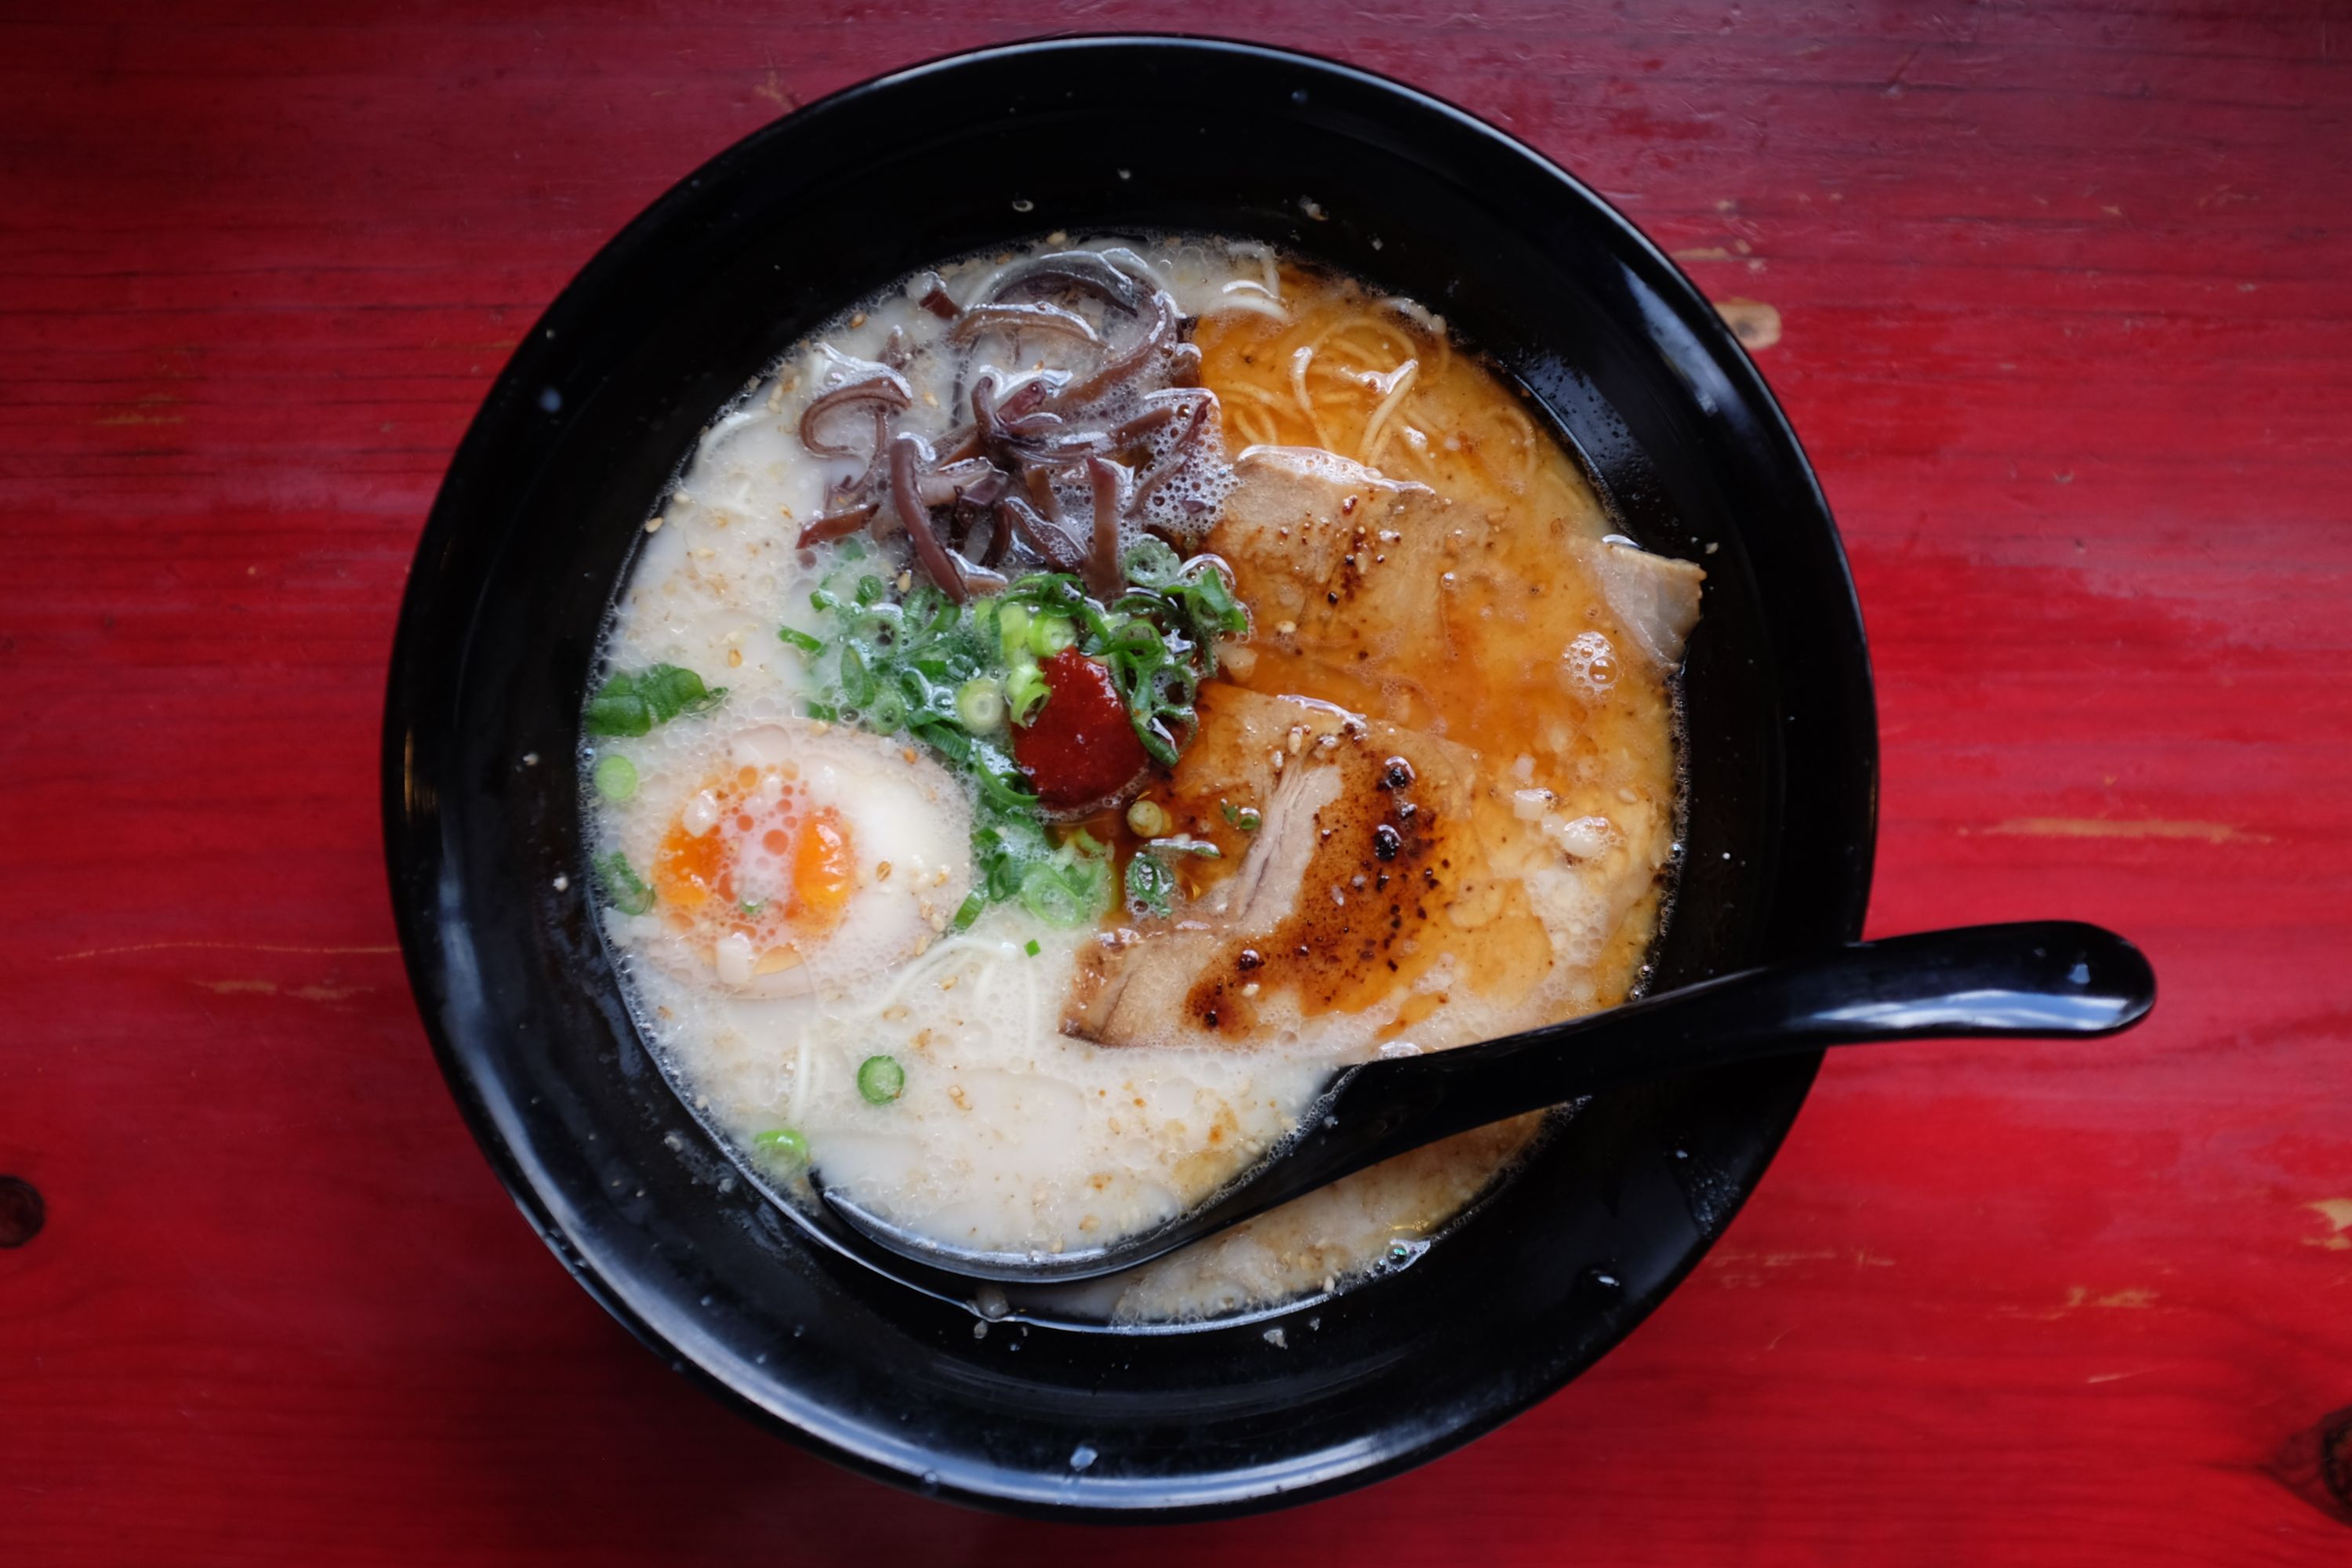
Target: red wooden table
[(2057, 298)]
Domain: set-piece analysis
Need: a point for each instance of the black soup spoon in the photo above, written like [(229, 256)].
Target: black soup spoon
[(2037, 979)]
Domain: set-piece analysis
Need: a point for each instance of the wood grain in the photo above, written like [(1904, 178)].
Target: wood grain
[(2060, 314)]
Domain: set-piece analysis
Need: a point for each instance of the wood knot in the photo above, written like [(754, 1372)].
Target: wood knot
[(22, 1212), (2315, 1464)]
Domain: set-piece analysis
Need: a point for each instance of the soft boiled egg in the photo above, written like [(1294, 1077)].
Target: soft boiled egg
[(806, 857)]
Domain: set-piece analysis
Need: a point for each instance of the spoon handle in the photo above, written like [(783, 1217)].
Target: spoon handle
[(2037, 978)]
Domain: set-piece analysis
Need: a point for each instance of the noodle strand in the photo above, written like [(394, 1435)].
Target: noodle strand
[(1375, 427), (1298, 363)]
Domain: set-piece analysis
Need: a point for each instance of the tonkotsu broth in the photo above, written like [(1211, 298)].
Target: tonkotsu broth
[(1437, 771)]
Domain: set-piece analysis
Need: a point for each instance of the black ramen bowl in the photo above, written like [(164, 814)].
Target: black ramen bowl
[(535, 526)]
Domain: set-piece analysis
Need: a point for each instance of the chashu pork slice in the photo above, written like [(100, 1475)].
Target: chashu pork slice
[(1653, 597), (1349, 567), (1340, 561), (1343, 896)]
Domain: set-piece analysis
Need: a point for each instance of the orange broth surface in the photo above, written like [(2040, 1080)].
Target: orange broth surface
[(1351, 375)]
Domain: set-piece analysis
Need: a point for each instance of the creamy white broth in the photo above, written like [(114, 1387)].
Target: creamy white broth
[(1012, 1132)]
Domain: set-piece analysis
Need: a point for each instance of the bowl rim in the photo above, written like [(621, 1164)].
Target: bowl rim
[(527, 1183)]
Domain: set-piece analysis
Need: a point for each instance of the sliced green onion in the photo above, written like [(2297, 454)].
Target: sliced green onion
[(1152, 563), (1011, 629), (1210, 599), (1025, 692), (623, 886), (1149, 818), (1049, 634), (800, 639), (1244, 817), (1046, 893), (615, 778), (1030, 947), (974, 903), (881, 1079), (880, 624), (1150, 887), (786, 1147), (1003, 786), (925, 699), (857, 683), (979, 705)]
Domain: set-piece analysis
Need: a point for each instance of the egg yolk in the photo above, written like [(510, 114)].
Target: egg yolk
[(805, 857), (824, 872)]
